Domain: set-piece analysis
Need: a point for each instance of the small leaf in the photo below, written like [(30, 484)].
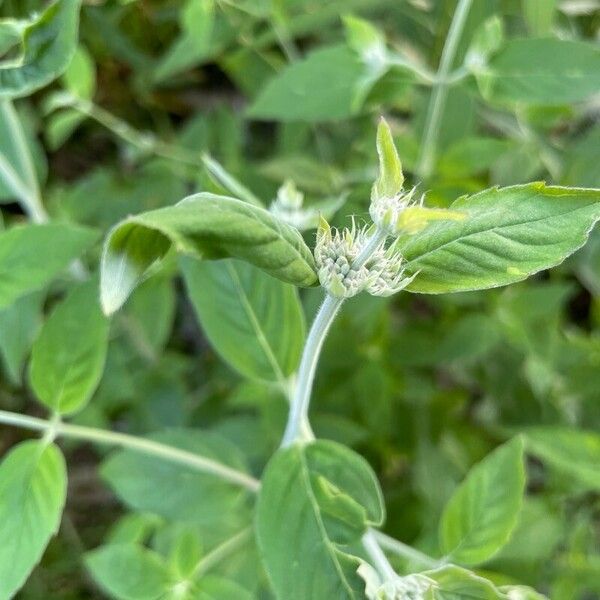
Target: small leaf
[(575, 453), (254, 321), (481, 515), (327, 495), (33, 487), (507, 235), (67, 359), (129, 572), (48, 43), (204, 226), (390, 179), (32, 255), (213, 587)]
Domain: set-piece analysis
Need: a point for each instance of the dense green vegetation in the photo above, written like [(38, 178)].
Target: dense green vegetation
[(202, 213)]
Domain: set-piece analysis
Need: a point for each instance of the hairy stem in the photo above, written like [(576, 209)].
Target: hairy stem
[(296, 428), (439, 93), (377, 556), (53, 429), (397, 547)]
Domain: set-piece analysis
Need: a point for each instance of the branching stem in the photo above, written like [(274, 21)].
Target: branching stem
[(57, 428)]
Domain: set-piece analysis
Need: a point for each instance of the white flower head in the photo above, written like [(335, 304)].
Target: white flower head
[(335, 253), (386, 211)]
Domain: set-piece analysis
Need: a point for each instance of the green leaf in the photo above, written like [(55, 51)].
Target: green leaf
[(255, 322), (19, 325), (481, 515), (575, 453), (507, 234), (32, 255), (80, 76), (321, 87), (67, 359), (204, 226), (48, 42), (129, 572), (212, 587), (390, 179), (173, 490), (313, 498), (456, 583), (33, 487), (472, 155), (521, 72)]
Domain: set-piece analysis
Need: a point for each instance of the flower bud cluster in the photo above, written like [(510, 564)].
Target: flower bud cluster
[(386, 212), (343, 275)]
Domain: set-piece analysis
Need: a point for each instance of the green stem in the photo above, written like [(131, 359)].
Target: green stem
[(215, 556), (397, 547), (439, 93), (53, 429), (297, 425), (377, 556)]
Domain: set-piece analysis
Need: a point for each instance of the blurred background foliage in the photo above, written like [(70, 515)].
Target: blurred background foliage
[(423, 386)]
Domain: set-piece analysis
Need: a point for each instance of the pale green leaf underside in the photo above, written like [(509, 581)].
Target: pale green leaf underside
[(32, 255), (205, 226), (508, 234), (310, 494), (481, 515), (254, 321), (67, 358), (33, 487), (47, 46), (575, 453)]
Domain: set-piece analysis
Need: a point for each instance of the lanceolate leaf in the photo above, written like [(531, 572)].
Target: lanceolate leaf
[(507, 234), (33, 487), (48, 43), (254, 321), (481, 515), (32, 255), (314, 498), (68, 357), (206, 226)]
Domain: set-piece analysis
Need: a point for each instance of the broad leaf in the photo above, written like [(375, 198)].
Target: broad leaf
[(33, 487), (481, 515), (48, 43), (173, 490), (575, 453), (522, 72), (68, 356), (254, 321), (321, 87), (130, 572), (32, 255), (313, 499), (204, 226), (506, 235)]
